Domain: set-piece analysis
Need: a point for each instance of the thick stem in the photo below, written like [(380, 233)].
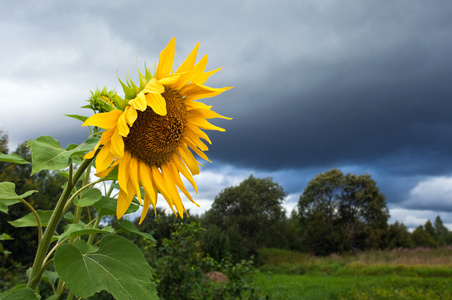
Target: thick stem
[(57, 214)]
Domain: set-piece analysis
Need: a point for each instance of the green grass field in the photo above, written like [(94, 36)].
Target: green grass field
[(413, 274)]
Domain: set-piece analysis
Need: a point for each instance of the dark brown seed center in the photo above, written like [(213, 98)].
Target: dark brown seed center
[(153, 139)]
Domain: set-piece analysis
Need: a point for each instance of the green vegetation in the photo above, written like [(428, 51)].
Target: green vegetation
[(398, 274)]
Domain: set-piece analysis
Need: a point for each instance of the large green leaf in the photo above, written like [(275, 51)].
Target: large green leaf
[(8, 192), (47, 153), (20, 294), (13, 158), (88, 198), (118, 267), (74, 230), (29, 220), (128, 226)]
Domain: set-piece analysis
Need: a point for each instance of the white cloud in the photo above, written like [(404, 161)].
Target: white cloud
[(434, 193)]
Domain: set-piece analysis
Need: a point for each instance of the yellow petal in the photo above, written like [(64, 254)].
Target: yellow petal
[(161, 186), (104, 158), (124, 201), (172, 190), (117, 144), (104, 120), (123, 172), (139, 102), (188, 76), (107, 171), (189, 62), (123, 129), (202, 78), (157, 103), (166, 60), (147, 203), (183, 169), (90, 155), (154, 87), (170, 80), (191, 129), (189, 160), (205, 113), (194, 148), (204, 124), (172, 168), (146, 182), (134, 176), (131, 115)]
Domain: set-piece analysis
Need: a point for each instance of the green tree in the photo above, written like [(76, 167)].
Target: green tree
[(342, 213), (422, 238), (443, 236), (251, 214), (398, 236)]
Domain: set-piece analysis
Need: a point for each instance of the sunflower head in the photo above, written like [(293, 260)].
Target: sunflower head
[(151, 136)]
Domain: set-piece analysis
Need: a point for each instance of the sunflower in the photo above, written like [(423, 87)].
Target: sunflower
[(150, 135)]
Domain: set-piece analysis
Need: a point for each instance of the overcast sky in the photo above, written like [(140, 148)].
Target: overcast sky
[(363, 86)]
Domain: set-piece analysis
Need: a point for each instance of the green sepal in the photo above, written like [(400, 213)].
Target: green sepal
[(13, 158), (118, 267), (29, 220), (78, 117), (128, 91)]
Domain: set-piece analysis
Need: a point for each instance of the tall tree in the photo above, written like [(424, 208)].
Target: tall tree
[(342, 213), (251, 213), (443, 236)]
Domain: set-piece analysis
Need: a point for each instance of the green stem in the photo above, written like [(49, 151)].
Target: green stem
[(91, 236), (57, 214), (37, 218)]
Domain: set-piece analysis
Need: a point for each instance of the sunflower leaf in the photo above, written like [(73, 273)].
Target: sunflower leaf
[(74, 230), (128, 226), (29, 220), (19, 293), (118, 267), (13, 158), (88, 198), (8, 193), (5, 237), (47, 153)]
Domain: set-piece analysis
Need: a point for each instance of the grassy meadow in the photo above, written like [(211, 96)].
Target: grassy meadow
[(398, 274)]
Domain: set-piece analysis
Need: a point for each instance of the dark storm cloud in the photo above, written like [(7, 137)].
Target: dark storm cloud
[(385, 101), (364, 86)]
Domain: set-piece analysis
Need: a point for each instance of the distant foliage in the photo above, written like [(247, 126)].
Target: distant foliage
[(342, 213), (251, 215)]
